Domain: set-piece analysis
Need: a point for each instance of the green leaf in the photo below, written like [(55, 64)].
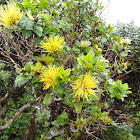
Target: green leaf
[(76, 50), (61, 70), (38, 30), (91, 53), (38, 40), (61, 76), (81, 60), (29, 27), (101, 67), (19, 5), (88, 27), (88, 65), (78, 107), (57, 80), (111, 82), (35, 79), (45, 5), (80, 6), (7, 32), (115, 48), (46, 124), (89, 58), (123, 54), (22, 79), (77, 43), (55, 122), (68, 102), (58, 138), (63, 119), (35, 58), (60, 90), (47, 99), (98, 52), (76, 134), (119, 96), (104, 39), (27, 67), (26, 33), (44, 1), (67, 72), (128, 92)]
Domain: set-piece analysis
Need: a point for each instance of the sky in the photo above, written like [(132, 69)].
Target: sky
[(122, 10)]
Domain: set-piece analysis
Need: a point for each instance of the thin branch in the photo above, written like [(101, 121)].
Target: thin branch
[(14, 117), (3, 99), (3, 61), (105, 8), (90, 134), (15, 64), (56, 134), (123, 75), (19, 112)]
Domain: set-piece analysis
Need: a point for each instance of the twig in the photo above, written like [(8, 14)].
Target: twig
[(14, 117), (135, 69), (56, 134), (104, 8), (15, 64), (19, 112), (90, 134), (3, 99)]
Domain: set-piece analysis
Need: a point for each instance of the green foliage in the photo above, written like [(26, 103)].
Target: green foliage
[(117, 89), (47, 99), (132, 32), (119, 132), (89, 50)]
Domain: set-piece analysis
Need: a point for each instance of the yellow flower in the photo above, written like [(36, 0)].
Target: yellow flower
[(84, 43), (84, 86), (29, 14), (48, 76), (10, 15), (52, 44)]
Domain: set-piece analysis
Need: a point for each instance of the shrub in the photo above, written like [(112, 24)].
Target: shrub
[(69, 62)]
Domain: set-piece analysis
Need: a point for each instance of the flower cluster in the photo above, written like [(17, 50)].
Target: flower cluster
[(84, 43), (84, 86), (10, 15), (52, 44), (48, 76), (125, 41)]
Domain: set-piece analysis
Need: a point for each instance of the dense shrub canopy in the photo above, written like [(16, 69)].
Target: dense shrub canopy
[(67, 71)]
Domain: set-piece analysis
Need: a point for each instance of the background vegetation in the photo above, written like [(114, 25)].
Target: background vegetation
[(90, 46)]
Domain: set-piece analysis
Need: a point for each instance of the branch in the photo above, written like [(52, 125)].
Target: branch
[(14, 117), (105, 8), (123, 75), (18, 113), (3, 99), (55, 134), (90, 134), (11, 60)]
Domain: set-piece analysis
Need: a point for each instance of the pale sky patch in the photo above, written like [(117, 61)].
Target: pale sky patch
[(122, 10)]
